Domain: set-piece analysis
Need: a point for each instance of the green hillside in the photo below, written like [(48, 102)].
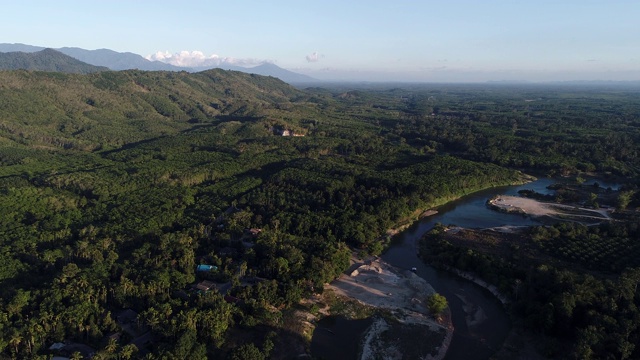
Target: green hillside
[(114, 108)]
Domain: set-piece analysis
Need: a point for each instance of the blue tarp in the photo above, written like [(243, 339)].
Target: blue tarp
[(206, 268)]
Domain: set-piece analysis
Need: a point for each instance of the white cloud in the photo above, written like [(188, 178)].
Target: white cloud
[(314, 57), (198, 58), (183, 58)]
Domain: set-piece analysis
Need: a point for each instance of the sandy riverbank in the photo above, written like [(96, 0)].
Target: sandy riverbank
[(402, 294), (539, 209)]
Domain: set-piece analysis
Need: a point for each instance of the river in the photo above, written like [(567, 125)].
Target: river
[(485, 337)]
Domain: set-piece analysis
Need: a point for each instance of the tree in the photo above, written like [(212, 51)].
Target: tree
[(128, 351), (247, 352), (593, 200), (437, 303), (111, 346), (624, 198), (15, 340)]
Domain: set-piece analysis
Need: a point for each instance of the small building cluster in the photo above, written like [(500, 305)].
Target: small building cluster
[(286, 132)]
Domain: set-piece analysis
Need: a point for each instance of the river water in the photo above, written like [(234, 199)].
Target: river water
[(482, 338)]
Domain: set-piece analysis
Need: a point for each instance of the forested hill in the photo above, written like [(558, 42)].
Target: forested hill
[(110, 109), (46, 60)]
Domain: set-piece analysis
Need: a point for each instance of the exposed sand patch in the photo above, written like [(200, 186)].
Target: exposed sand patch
[(522, 205), (381, 285), (404, 294), (535, 208), (508, 229), (377, 328)]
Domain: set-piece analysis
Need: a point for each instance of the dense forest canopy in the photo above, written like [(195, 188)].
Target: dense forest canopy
[(114, 186), (575, 288)]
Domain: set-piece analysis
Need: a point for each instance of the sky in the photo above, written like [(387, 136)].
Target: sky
[(354, 40)]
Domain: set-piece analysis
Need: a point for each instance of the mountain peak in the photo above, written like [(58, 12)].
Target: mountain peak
[(45, 60), (271, 69), (114, 60)]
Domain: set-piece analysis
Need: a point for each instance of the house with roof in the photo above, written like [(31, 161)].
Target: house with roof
[(204, 285)]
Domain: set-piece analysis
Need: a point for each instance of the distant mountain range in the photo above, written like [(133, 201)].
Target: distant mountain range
[(113, 60), (46, 60)]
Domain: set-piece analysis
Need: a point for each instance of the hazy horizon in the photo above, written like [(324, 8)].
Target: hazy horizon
[(406, 41)]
